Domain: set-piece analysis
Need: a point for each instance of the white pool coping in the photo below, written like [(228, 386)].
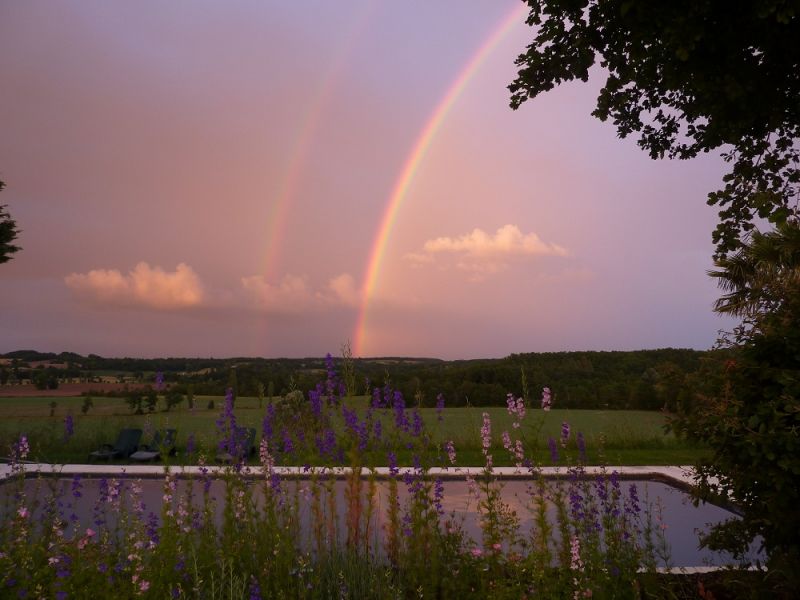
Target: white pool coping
[(682, 476)]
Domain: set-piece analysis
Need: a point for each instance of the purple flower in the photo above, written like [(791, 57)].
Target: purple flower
[(378, 430), (350, 419), (151, 527), (399, 406), (632, 506), (581, 446), (226, 425), (333, 387), (288, 445), (255, 590), (326, 443), (376, 398), (438, 495), (417, 425), (439, 407), (69, 428), (315, 397), (553, 450), (391, 458), (76, 486), (267, 422), (159, 381), (564, 434)]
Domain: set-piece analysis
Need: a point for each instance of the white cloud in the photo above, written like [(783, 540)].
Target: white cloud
[(507, 241), (294, 295), (481, 254), (148, 286)]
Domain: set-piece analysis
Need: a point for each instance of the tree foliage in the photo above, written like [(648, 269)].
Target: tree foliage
[(687, 77), (8, 232), (751, 415)]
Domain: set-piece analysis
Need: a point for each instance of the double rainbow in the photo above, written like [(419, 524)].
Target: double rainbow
[(412, 163)]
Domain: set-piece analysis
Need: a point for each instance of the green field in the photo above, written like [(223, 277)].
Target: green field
[(612, 437)]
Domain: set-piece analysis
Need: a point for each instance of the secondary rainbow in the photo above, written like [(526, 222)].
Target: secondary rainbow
[(415, 158), (290, 182)]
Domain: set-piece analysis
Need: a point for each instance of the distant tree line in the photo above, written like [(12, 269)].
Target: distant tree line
[(647, 379)]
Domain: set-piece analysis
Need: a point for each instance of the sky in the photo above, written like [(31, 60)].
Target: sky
[(276, 179)]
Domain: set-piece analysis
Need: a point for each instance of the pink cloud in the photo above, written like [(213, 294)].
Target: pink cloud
[(507, 241), (480, 254), (152, 287), (293, 294)]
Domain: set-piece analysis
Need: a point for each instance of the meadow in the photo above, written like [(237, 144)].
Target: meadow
[(619, 437)]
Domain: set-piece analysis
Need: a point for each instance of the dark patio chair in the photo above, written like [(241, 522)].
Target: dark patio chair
[(125, 445), (163, 441)]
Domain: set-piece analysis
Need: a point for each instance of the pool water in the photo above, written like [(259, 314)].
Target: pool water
[(672, 511)]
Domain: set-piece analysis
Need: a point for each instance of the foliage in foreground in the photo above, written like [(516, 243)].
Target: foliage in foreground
[(750, 416), (257, 535)]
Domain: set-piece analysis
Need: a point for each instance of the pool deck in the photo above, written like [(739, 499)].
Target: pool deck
[(681, 476)]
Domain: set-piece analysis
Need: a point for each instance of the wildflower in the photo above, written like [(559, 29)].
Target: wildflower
[(22, 448), (417, 426), (76, 487), (438, 495), (391, 458), (451, 451), (516, 408), (23, 512), (69, 428), (399, 406), (288, 444), (376, 397), (564, 434), (255, 590), (476, 552), (546, 398), (486, 433), (507, 441), (553, 450), (439, 407), (576, 564), (581, 443)]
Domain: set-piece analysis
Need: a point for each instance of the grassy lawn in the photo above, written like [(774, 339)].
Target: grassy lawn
[(612, 437)]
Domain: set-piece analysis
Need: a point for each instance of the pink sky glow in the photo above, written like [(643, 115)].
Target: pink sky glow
[(275, 178)]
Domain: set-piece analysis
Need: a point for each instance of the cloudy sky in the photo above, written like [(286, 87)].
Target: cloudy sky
[(276, 178)]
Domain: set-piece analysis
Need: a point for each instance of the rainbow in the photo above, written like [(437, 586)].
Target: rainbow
[(413, 161), (302, 144)]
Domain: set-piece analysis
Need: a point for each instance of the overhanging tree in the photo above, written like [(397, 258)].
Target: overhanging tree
[(8, 232), (688, 77)]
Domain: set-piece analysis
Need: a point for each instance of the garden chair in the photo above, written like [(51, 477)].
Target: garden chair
[(125, 445), (163, 441), (244, 442)]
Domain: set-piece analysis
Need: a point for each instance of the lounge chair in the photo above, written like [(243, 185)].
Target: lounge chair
[(244, 445), (163, 441), (125, 445)]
